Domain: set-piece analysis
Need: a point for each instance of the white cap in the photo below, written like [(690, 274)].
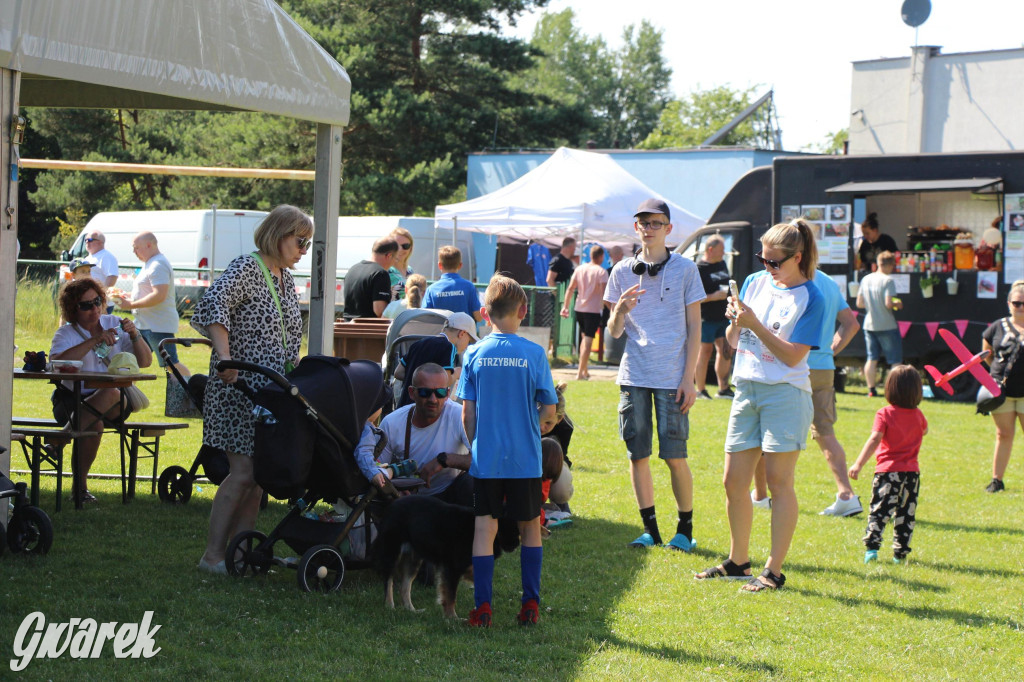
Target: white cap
[(465, 323)]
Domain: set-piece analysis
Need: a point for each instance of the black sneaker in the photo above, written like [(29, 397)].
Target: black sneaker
[(872, 393), (995, 486), (726, 393), (703, 395)]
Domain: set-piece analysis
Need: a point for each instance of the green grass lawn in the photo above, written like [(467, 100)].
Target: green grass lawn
[(954, 611)]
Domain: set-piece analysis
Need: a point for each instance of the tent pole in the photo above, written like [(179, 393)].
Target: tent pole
[(433, 265), (324, 268), (10, 85)]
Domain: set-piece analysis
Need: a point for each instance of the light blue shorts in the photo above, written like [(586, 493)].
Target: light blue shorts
[(773, 417)]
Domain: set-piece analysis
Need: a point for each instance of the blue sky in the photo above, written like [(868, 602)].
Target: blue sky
[(802, 48)]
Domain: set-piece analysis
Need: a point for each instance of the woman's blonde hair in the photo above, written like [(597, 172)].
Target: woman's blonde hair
[(1018, 285), (793, 238), (403, 255), (415, 287), (283, 221)]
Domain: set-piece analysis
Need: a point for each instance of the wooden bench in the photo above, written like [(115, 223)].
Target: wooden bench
[(45, 446), (144, 436)]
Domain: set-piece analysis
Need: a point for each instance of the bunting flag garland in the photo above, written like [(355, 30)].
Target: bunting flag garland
[(905, 327), (961, 327), (933, 327)]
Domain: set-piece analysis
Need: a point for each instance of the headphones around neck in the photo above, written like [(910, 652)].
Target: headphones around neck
[(640, 267)]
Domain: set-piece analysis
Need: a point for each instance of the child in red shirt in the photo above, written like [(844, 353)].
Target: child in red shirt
[(897, 434)]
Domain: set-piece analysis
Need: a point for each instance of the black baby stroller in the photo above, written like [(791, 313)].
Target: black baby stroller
[(29, 529), (307, 428), (175, 484)]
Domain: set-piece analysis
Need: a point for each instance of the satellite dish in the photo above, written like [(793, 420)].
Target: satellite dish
[(915, 12)]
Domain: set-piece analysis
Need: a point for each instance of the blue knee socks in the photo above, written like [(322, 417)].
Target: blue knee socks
[(530, 560), (483, 578)]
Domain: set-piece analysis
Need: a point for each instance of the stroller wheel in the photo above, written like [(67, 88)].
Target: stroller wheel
[(250, 558), (30, 530), (175, 485), (321, 569)]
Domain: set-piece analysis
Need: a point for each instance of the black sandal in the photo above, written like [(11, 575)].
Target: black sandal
[(759, 585), (729, 570)]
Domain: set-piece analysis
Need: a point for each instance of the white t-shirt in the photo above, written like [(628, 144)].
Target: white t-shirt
[(794, 314), (104, 264), (873, 289), (68, 337), (655, 354), (444, 435), (163, 317)]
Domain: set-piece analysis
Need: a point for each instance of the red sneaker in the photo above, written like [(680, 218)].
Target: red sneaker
[(480, 617), (528, 614)]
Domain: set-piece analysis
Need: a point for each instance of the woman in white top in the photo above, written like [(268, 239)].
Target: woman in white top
[(92, 337), (773, 326)]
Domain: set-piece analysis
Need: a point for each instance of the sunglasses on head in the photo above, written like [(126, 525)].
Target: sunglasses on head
[(86, 306), (427, 392), (303, 242), (773, 264), (1017, 304)]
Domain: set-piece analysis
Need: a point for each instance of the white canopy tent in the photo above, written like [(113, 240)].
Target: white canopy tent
[(168, 54), (573, 193)]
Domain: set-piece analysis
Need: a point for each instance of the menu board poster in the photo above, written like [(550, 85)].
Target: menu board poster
[(790, 213), (814, 213), (838, 213), (988, 284), (1014, 203)]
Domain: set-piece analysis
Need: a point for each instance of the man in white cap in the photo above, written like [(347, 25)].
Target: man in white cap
[(445, 349)]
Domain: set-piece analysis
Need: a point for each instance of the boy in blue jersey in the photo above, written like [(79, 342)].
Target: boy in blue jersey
[(504, 378), (452, 291)]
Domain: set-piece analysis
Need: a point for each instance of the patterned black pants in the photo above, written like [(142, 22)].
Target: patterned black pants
[(893, 494)]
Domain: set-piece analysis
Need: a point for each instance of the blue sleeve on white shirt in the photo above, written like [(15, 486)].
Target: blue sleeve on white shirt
[(808, 327)]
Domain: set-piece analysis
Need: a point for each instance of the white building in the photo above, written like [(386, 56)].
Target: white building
[(933, 102)]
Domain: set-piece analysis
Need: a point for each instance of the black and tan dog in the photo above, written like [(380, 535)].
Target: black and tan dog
[(419, 528)]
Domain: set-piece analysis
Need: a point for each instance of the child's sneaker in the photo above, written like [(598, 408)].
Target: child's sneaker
[(528, 614), (870, 555), (995, 486), (480, 617)]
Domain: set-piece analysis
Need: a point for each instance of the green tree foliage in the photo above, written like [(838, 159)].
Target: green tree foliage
[(619, 93), (689, 121), (834, 143)]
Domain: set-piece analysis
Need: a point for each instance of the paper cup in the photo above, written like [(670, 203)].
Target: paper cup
[(952, 286), (854, 288)]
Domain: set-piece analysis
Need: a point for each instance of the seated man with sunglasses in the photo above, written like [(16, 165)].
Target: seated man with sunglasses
[(430, 432)]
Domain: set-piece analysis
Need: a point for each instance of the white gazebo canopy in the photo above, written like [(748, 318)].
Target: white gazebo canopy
[(168, 54), (573, 193)]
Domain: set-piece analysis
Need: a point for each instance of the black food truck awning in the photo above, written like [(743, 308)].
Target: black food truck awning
[(913, 186)]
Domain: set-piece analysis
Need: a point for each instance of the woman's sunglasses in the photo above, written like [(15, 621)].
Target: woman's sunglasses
[(773, 264), (405, 247), (86, 306), (303, 242), (439, 393), (1017, 304)]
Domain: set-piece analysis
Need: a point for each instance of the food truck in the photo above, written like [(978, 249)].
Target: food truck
[(957, 220)]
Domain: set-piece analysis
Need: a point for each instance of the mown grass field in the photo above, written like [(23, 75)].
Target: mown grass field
[(954, 611)]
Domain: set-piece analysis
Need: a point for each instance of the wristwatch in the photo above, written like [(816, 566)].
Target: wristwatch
[(442, 459)]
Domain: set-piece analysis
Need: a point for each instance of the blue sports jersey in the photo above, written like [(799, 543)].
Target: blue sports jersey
[(821, 357), (452, 292), (538, 257), (506, 376)]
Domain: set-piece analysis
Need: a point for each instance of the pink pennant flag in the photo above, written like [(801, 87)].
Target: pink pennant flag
[(932, 327), (904, 327), (961, 327)]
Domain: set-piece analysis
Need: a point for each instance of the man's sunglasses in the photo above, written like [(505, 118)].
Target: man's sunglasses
[(773, 264), (89, 240), (405, 247), (439, 393), (303, 242), (86, 306)]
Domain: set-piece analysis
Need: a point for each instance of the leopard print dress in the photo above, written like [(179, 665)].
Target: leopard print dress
[(241, 301)]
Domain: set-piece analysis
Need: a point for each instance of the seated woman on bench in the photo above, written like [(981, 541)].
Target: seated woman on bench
[(91, 337)]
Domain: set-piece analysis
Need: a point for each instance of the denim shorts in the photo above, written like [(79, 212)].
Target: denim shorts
[(709, 331), (636, 426), (153, 339), (772, 417), (887, 343)]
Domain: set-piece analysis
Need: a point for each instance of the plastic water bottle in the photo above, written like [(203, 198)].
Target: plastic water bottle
[(102, 350)]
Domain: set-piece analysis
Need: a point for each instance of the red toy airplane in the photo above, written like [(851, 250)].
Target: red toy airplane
[(971, 363)]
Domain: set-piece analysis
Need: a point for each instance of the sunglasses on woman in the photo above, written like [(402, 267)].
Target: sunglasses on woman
[(86, 306), (1017, 304), (405, 247), (773, 264), (439, 393), (303, 242)]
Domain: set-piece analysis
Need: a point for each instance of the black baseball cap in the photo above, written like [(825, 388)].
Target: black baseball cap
[(653, 206)]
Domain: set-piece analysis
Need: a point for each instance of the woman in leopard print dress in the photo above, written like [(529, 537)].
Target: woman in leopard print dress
[(238, 313)]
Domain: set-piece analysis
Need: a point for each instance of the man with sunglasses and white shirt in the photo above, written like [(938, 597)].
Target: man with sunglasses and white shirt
[(430, 432), (655, 298), (104, 263)]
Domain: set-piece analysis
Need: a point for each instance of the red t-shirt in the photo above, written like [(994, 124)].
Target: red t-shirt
[(902, 431)]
